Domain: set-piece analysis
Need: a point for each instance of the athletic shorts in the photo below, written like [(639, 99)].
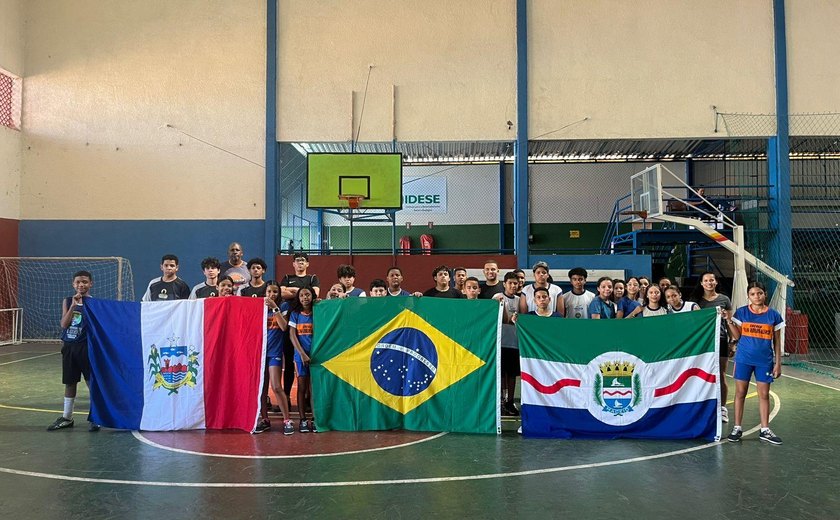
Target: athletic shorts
[(74, 363), (510, 362), (763, 373), (302, 370), (275, 361)]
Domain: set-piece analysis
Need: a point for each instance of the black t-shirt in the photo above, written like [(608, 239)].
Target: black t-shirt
[(251, 291), (307, 280), (451, 293), (488, 291), (158, 290), (203, 290)]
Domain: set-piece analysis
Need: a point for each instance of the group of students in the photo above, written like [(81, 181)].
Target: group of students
[(754, 329)]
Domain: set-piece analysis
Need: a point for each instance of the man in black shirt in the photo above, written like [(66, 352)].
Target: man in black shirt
[(442, 288), (207, 289), (291, 283), (169, 286), (256, 287), (491, 285)]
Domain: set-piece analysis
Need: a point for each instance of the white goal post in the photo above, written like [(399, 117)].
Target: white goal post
[(37, 285)]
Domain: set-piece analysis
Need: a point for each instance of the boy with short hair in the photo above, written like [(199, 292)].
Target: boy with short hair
[(169, 286), (442, 288), (347, 276), (291, 283), (459, 276), (510, 344), (527, 302), (74, 351), (578, 299), (378, 288), (472, 288), (395, 279), (491, 285), (254, 288), (206, 289)]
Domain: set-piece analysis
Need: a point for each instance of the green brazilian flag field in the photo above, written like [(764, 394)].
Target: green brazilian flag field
[(423, 364)]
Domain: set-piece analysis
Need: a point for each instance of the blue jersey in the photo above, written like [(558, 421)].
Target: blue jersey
[(626, 305), (757, 330), (275, 336), (302, 323), (76, 332), (604, 308)]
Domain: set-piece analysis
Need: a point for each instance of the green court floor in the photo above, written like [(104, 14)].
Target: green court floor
[(121, 474)]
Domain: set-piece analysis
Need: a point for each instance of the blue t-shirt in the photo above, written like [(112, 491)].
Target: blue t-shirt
[(274, 335), (302, 323), (756, 344), (606, 309), (76, 332), (626, 305)]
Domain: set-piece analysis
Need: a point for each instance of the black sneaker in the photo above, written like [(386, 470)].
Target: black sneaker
[(735, 436), (263, 426), (510, 410), (304, 426), (768, 436), (312, 427), (60, 424), (288, 428), (93, 427)]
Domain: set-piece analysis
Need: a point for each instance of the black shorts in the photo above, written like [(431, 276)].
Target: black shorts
[(510, 362), (74, 363)]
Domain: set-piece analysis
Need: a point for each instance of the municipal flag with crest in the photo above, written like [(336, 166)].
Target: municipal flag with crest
[(653, 378), (423, 364)]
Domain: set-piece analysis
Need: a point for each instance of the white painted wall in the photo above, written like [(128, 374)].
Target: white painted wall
[(813, 47), (452, 61), (649, 68), (102, 81), (11, 59)]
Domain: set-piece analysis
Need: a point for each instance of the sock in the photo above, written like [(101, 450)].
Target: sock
[(736, 428), (764, 430), (68, 407)]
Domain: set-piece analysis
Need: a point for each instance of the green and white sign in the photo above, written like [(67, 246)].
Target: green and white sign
[(424, 194)]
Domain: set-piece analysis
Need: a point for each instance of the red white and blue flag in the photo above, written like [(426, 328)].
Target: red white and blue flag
[(180, 365), (638, 378)]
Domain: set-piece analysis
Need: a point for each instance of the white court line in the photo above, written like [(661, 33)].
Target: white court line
[(10, 353), (139, 436), (812, 382), (28, 358), (430, 480)]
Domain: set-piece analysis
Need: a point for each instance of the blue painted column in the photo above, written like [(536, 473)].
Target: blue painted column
[(520, 150), (272, 207), (778, 158)]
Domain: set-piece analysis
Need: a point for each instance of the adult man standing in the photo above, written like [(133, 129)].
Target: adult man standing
[(491, 285), (235, 267)]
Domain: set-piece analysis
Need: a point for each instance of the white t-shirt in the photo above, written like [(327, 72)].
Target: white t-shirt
[(577, 305), (553, 292), (687, 306)]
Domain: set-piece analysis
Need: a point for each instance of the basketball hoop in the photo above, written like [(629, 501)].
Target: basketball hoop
[(353, 201), (641, 214)]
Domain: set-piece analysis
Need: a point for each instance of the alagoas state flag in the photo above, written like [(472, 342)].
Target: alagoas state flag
[(651, 377), (425, 364), (178, 365)]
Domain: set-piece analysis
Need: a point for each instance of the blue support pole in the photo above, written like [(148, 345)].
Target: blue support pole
[(272, 207), (502, 208), (778, 158), (520, 161)]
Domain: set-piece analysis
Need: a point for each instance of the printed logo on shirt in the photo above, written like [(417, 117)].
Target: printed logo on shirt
[(304, 329), (757, 330), (163, 295)]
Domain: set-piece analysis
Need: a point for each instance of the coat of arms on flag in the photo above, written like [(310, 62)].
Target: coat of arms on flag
[(173, 366), (661, 381), (427, 365)]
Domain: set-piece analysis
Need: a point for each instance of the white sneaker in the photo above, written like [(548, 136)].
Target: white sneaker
[(519, 431), (724, 415)]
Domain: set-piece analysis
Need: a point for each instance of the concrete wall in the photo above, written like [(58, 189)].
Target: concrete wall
[(813, 46), (11, 60), (102, 173)]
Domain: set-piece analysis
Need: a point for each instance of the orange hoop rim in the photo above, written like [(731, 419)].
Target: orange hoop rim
[(352, 200)]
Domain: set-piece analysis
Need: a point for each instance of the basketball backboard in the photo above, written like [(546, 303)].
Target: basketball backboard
[(646, 192), (331, 178)]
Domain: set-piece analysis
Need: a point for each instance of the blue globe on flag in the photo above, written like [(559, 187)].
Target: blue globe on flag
[(404, 362)]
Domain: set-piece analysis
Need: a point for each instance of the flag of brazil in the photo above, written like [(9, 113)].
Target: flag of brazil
[(424, 364)]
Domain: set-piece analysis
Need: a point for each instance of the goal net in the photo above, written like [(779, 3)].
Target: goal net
[(37, 287)]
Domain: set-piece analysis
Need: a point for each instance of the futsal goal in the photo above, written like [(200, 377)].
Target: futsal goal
[(32, 289)]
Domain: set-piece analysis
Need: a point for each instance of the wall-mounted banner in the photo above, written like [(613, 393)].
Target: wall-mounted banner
[(424, 194)]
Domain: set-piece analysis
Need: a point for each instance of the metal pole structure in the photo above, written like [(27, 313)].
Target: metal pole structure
[(271, 147), (520, 161), (778, 158)]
